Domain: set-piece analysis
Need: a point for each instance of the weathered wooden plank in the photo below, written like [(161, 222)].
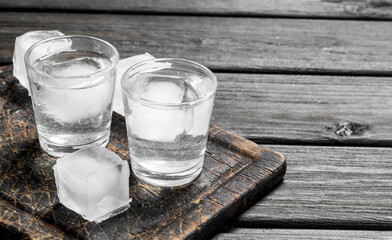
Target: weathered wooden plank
[(311, 109), (304, 109), (328, 187), (374, 9), (303, 234), (324, 186), (236, 173), (16, 224), (229, 44)]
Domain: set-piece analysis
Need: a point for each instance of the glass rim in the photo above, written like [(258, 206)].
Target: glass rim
[(32, 47), (197, 101)]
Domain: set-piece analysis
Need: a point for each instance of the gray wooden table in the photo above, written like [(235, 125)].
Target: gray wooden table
[(309, 78)]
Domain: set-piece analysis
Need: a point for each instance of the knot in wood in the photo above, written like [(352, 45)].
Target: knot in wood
[(348, 128), (378, 4)]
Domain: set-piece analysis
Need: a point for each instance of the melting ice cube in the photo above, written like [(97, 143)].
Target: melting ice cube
[(122, 66), (70, 101), (24, 42), (74, 105), (160, 123), (163, 92), (93, 182), (202, 115)]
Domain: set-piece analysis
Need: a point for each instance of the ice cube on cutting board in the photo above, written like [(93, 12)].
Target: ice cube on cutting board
[(94, 182), (24, 42)]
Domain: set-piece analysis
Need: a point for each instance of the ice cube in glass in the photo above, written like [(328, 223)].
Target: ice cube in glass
[(94, 182), (168, 105), (72, 82)]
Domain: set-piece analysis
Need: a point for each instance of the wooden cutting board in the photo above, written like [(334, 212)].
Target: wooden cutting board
[(236, 173)]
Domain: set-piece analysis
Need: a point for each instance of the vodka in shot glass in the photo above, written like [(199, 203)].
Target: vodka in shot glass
[(72, 81), (168, 105)]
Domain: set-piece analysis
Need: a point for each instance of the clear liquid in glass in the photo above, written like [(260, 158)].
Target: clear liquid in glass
[(167, 144), (72, 110)]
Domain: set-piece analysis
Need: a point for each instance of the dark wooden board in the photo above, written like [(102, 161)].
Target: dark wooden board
[(226, 44), (328, 188), (303, 234), (236, 173), (17, 224), (369, 9)]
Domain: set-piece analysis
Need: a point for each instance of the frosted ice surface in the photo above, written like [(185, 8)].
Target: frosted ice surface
[(164, 92), (69, 105), (94, 182), (160, 124), (201, 114), (74, 67), (74, 105), (122, 66), (24, 42)]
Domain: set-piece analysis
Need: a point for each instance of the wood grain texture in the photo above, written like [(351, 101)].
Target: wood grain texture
[(16, 224), (236, 173), (306, 109), (373, 9), (303, 234), (330, 188), (303, 109), (227, 44)]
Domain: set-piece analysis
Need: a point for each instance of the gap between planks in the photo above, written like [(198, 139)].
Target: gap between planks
[(310, 9), (227, 44)]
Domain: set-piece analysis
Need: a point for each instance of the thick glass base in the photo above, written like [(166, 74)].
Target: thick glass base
[(57, 150), (167, 179)]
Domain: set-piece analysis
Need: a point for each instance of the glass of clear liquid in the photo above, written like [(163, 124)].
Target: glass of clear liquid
[(168, 105), (72, 84)]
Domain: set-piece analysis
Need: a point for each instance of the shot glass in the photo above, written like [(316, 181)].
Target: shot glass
[(72, 84), (168, 105)]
